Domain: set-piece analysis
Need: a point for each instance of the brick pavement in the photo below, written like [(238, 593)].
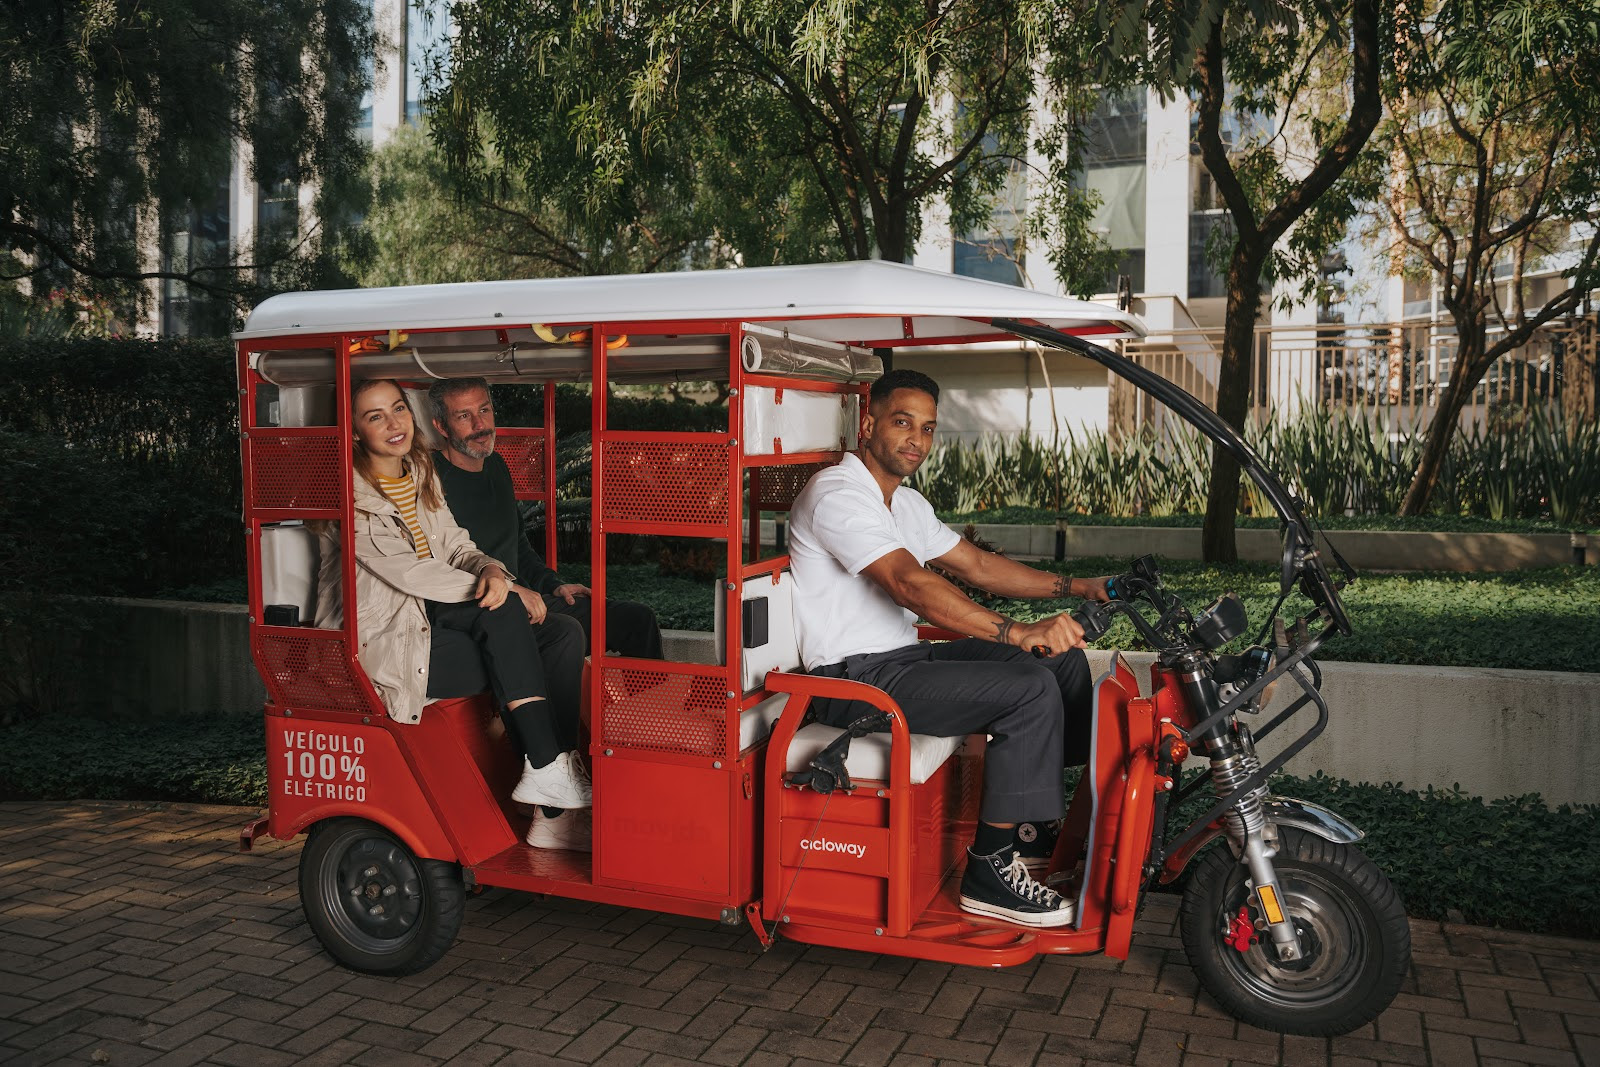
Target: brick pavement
[(136, 934)]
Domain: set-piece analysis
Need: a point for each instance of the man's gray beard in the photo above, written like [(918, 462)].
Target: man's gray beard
[(467, 448)]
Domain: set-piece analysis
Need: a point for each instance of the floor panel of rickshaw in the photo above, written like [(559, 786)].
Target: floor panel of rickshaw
[(566, 873), (945, 933)]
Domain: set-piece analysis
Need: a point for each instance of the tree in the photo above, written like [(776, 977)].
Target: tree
[(1493, 151), (809, 131), (115, 113), (1311, 71), (425, 225)]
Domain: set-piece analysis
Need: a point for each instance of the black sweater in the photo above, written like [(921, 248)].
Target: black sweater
[(485, 505)]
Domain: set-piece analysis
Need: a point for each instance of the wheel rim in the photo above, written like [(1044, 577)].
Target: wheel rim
[(376, 893), (1333, 936)]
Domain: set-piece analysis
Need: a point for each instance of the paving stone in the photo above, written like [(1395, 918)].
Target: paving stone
[(137, 931)]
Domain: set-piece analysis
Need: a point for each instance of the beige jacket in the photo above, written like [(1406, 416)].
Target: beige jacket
[(391, 585)]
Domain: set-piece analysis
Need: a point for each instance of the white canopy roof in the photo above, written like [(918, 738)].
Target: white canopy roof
[(864, 302)]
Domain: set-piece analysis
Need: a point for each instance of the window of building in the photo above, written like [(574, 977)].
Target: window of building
[(1114, 166), (992, 250), (427, 36), (197, 238)]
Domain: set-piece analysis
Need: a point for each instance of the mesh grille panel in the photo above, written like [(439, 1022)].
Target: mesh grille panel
[(295, 471), (665, 481), (776, 487), (523, 451), (308, 670), (662, 712)]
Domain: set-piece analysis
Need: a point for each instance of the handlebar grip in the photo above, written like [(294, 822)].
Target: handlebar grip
[(1041, 651), (1111, 589)]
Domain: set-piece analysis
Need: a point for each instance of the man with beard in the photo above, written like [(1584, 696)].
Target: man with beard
[(859, 545), (477, 486)]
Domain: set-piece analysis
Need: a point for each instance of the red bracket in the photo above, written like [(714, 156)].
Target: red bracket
[(1241, 931), (252, 830)]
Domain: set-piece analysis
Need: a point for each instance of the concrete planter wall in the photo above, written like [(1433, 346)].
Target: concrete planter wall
[(1378, 550), (1495, 732)]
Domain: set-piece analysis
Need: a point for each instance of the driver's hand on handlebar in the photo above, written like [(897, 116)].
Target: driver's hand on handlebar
[(1055, 634), (492, 588), (1096, 588)]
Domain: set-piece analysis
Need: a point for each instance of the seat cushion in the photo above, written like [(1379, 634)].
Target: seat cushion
[(869, 755)]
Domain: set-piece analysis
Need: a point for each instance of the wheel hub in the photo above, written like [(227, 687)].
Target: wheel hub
[(379, 893)]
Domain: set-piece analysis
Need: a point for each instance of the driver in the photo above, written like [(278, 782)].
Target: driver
[(859, 543)]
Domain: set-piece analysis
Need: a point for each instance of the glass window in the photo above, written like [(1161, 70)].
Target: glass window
[(427, 35), (1204, 279), (199, 238), (1114, 166)]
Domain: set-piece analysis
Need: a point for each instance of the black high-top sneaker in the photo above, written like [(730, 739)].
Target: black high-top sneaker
[(1035, 842), (999, 885)]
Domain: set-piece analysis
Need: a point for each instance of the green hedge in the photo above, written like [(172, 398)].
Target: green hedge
[(1514, 862), (1435, 523)]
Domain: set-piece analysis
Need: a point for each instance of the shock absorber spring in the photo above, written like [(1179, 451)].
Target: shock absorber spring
[(1230, 766)]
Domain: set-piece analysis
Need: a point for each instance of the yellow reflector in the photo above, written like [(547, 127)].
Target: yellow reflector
[(1269, 904)]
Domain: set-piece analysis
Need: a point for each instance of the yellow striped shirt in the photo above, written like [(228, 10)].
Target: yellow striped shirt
[(403, 491)]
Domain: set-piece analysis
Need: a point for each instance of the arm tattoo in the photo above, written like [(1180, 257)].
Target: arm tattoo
[(1063, 585), (1002, 631)]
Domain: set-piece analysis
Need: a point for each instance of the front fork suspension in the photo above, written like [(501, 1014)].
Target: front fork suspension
[(1254, 842)]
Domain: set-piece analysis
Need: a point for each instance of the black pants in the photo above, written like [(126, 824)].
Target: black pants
[(631, 629), (476, 649), (1036, 711)]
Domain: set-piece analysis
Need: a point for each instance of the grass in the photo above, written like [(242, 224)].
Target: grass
[(1513, 862)]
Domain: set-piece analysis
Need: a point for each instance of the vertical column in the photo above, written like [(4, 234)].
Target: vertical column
[(1167, 197)]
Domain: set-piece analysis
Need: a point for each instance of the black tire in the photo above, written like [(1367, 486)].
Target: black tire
[(1351, 923), (374, 905)]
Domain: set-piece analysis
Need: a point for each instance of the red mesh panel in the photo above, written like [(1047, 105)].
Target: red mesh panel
[(308, 670), (665, 482), (776, 487), (664, 712), (523, 452), (295, 471)]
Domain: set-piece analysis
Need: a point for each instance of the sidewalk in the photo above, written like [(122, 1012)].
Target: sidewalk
[(138, 934)]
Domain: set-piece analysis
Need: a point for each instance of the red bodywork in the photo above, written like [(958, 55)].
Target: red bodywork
[(687, 820)]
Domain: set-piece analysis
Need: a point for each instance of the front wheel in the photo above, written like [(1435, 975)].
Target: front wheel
[(374, 905), (1352, 929)]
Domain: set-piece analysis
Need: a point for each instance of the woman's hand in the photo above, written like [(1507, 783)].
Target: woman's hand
[(494, 585)]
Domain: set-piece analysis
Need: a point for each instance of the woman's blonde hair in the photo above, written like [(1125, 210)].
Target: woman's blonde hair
[(419, 459)]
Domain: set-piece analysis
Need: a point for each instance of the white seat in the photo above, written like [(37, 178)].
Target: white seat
[(869, 755)]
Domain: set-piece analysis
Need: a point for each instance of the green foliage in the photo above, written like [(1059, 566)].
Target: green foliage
[(122, 107), (1540, 468), (206, 761), (807, 132), (1541, 619)]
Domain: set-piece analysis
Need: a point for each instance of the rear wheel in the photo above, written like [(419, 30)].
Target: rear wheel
[(374, 905), (1352, 930)]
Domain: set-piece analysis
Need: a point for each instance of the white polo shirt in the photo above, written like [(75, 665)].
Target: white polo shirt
[(838, 526)]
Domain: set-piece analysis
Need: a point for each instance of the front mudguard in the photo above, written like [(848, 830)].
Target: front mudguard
[(1280, 811)]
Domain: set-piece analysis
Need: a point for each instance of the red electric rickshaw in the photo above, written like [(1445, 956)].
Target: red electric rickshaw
[(713, 795)]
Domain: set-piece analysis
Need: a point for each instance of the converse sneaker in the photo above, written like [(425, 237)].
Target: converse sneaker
[(561, 783), (999, 885), (1035, 842), (572, 829)]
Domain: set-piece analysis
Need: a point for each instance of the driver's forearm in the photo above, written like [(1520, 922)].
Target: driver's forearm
[(1006, 577), (942, 604)]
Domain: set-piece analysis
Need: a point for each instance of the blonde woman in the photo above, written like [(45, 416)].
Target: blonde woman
[(423, 586)]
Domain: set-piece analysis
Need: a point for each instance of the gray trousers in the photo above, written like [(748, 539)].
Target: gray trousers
[(1036, 711)]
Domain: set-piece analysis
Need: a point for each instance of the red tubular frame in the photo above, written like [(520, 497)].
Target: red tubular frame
[(801, 689)]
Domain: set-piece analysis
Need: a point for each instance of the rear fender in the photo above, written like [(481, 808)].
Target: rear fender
[(1280, 811)]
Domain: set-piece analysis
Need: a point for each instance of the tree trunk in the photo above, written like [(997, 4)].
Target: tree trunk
[(1217, 542), (1464, 378)]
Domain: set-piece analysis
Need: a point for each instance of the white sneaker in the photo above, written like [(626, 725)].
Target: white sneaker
[(561, 783), (572, 829)]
